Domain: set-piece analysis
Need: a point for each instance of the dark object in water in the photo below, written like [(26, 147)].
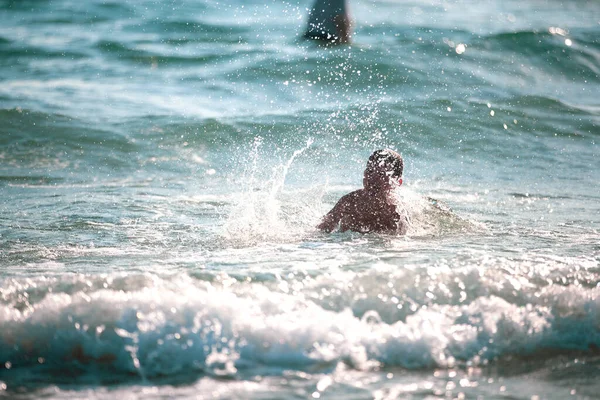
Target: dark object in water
[(328, 21)]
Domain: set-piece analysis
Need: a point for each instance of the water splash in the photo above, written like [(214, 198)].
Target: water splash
[(264, 211), (427, 216)]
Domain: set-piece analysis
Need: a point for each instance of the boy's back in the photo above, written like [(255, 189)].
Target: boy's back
[(360, 211)]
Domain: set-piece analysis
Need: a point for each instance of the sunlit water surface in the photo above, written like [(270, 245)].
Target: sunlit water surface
[(163, 165)]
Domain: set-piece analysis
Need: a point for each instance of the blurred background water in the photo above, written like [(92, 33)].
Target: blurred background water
[(163, 165)]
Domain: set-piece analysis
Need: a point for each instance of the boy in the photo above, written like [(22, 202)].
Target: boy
[(372, 208)]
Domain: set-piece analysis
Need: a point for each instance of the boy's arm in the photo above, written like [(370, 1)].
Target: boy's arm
[(333, 217)]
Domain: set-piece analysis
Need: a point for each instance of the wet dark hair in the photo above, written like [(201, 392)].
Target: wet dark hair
[(388, 160)]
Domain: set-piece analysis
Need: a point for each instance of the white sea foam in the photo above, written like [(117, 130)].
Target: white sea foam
[(162, 326)]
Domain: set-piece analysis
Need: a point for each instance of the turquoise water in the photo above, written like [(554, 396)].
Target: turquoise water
[(163, 165)]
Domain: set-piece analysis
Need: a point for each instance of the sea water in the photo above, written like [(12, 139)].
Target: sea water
[(163, 165)]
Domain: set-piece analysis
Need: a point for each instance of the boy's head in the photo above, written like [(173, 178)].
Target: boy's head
[(383, 168)]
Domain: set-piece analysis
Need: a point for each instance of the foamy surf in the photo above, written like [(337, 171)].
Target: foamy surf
[(156, 326)]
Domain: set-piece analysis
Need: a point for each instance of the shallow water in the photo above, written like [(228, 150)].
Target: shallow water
[(163, 165)]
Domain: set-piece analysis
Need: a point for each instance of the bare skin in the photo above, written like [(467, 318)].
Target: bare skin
[(344, 28), (370, 209)]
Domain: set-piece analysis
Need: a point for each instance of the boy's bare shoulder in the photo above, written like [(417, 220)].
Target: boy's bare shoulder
[(352, 199), (353, 196)]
